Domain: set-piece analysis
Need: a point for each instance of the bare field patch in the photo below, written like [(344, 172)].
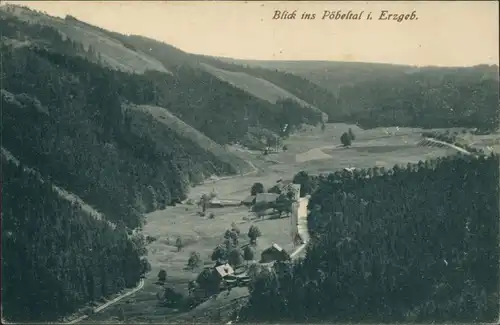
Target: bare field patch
[(238, 187), (256, 86), (314, 137), (313, 154), (113, 53), (353, 158), (173, 123)]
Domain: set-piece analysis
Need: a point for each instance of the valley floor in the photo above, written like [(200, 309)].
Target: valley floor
[(311, 150)]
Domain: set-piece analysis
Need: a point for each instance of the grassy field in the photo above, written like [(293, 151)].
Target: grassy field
[(383, 146), (109, 48), (173, 123), (258, 87)]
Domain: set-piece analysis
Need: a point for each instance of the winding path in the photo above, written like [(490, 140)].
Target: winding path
[(302, 225), (109, 303), (431, 141)]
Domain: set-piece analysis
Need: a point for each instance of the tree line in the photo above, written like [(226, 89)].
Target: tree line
[(55, 257), (415, 243), (428, 98)]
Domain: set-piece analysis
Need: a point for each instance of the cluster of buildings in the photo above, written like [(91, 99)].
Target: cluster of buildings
[(225, 272)]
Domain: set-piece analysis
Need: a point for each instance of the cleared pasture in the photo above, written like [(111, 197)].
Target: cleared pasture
[(258, 87), (109, 48)]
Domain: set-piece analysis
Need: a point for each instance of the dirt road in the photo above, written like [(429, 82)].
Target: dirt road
[(109, 303)]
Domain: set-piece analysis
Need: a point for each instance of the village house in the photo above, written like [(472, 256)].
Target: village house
[(224, 270), (220, 203), (215, 203), (274, 253), (249, 201), (280, 186), (286, 186), (266, 198)]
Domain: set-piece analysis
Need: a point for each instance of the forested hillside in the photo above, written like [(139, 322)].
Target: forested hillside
[(428, 97), (178, 62), (374, 95), (409, 244), (370, 95), (63, 114), (72, 117), (172, 57), (55, 257), (330, 75), (214, 107)]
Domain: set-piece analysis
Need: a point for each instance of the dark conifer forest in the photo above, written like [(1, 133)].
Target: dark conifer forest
[(56, 257), (428, 98), (416, 243), (369, 95)]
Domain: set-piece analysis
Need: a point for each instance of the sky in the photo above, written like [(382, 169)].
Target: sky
[(445, 34)]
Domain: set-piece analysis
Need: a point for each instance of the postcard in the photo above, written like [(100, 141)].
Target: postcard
[(169, 162)]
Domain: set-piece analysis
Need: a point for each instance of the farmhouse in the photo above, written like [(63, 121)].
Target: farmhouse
[(224, 270), (218, 203), (215, 203), (262, 198), (274, 253), (249, 201), (280, 186), (286, 187)]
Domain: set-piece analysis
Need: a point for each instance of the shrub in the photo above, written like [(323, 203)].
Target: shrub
[(194, 260), (162, 276)]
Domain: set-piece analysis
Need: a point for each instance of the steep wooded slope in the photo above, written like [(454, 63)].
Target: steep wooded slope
[(111, 53), (63, 115), (55, 256), (369, 94)]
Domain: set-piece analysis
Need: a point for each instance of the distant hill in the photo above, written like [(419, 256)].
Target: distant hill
[(368, 94), (351, 92), (262, 88), (258, 87), (328, 74), (111, 52)]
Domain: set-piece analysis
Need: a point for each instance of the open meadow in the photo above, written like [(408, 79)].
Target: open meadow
[(312, 150)]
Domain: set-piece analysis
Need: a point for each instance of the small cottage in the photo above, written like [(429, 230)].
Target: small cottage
[(274, 253), (268, 198), (249, 201), (215, 203), (224, 270)]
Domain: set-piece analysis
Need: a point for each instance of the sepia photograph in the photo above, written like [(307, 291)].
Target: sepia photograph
[(230, 162)]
